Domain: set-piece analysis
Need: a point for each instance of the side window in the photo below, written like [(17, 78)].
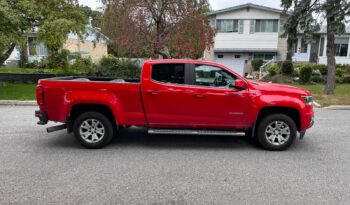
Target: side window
[(169, 73), (213, 76)]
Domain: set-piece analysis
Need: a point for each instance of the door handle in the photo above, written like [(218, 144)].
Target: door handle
[(153, 92), (198, 95), (232, 93)]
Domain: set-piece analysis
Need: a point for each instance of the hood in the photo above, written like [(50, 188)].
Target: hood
[(274, 87)]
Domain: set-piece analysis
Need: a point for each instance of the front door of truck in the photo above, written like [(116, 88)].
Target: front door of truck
[(216, 103)]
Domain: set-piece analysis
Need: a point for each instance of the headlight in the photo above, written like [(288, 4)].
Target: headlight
[(307, 99)]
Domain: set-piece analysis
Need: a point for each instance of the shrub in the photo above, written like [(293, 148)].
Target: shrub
[(317, 79), (257, 63), (346, 79), (112, 66), (338, 72), (287, 68), (58, 59), (82, 65), (322, 68), (305, 73), (273, 70)]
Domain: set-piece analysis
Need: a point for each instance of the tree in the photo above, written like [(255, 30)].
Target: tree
[(94, 16), (50, 20), (153, 28), (307, 15)]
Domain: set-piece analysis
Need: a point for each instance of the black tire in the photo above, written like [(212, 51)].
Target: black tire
[(270, 120), (104, 124)]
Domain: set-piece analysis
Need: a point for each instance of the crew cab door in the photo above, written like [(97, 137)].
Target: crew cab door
[(216, 103), (193, 96)]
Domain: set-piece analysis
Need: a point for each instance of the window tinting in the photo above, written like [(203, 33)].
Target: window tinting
[(169, 73), (213, 76)]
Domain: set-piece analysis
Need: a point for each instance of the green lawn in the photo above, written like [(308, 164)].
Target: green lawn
[(340, 97), (17, 91)]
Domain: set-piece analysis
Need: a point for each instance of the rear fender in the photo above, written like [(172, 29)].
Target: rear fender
[(103, 97)]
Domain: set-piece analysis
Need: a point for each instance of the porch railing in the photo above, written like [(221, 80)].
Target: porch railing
[(262, 71)]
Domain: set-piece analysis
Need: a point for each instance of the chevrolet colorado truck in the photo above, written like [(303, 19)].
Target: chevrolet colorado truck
[(188, 97)]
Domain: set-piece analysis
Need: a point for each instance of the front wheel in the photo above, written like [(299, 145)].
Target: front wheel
[(93, 130), (276, 132)]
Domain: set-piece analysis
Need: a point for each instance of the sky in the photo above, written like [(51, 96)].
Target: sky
[(215, 4)]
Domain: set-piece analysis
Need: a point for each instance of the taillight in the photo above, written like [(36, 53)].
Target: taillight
[(40, 95)]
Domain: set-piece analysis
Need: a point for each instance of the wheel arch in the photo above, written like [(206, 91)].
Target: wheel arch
[(289, 111), (80, 108)]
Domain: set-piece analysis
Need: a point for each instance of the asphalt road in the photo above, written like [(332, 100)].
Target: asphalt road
[(41, 168)]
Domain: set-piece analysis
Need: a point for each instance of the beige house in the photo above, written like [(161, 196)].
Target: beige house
[(93, 44)]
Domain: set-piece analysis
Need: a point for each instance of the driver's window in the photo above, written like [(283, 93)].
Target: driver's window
[(207, 75)]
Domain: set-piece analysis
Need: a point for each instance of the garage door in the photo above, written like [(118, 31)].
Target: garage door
[(233, 61)]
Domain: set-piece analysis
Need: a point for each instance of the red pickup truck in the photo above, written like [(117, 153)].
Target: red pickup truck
[(187, 97)]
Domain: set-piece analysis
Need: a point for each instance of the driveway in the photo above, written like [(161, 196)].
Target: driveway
[(41, 168)]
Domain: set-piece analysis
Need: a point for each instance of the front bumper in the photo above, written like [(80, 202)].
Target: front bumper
[(42, 117), (312, 121)]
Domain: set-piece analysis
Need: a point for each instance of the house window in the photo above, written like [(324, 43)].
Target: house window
[(263, 56), (227, 26), (303, 46), (321, 46), (36, 48), (341, 46), (266, 26)]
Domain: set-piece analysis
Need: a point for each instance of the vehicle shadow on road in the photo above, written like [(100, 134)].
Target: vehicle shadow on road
[(138, 137)]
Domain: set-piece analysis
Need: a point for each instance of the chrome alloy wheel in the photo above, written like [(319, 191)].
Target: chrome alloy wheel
[(92, 130), (277, 133)]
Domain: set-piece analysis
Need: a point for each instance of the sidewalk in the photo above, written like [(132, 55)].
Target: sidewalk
[(18, 102)]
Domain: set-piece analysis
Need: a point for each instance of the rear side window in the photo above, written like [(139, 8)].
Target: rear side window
[(169, 73)]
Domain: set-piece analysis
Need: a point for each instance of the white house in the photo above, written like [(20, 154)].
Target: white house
[(316, 50), (247, 32), (251, 31)]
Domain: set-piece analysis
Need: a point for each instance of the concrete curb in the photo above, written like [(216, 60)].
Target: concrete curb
[(337, 107), (18, 102)]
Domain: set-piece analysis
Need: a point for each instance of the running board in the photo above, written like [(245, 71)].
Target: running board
[(194, 132)]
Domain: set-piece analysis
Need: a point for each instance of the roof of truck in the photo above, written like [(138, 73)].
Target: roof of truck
[(156, 61)]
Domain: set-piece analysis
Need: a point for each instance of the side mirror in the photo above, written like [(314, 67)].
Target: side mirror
[(239, 84)]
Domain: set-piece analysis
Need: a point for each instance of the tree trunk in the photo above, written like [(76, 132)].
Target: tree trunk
[(7, 54), (24, 52), (329, 89), (289, 49)]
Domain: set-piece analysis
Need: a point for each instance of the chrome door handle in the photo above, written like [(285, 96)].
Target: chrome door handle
[(153, 92), (198, 95)]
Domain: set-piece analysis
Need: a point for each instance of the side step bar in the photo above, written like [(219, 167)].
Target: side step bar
[(194, 132)]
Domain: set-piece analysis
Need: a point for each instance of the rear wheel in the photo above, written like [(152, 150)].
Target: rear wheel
[(93, 130), (276, 132)]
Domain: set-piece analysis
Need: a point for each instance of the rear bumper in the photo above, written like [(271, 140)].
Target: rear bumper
[(42, 117)]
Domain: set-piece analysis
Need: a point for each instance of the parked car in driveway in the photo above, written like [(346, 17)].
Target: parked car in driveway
[(188, 97)]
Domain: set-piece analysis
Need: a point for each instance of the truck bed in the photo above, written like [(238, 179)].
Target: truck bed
[(95, 79), (123, 96)]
